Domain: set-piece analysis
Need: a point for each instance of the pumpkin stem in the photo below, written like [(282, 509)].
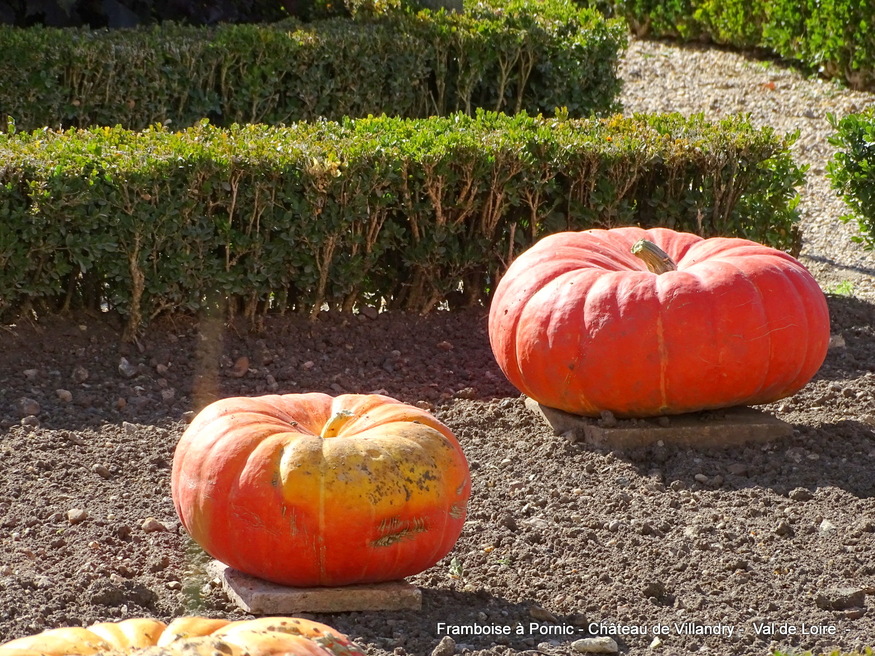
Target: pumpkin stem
[(656, 259), (336, 423)]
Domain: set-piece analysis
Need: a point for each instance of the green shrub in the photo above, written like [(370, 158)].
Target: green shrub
[(852, 170), (832, 37), (524, 55), (381, 210)]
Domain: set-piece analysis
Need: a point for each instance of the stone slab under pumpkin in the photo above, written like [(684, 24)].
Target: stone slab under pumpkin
[(709, 429), (260, 597)]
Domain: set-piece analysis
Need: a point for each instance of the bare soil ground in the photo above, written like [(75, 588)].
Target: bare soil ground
[(771, 546)]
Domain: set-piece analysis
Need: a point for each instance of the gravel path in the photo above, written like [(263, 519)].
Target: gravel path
[(661, 77)]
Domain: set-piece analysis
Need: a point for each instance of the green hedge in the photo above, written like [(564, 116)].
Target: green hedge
[(525, 55), (377, 210), (852, 170), (832, 37)]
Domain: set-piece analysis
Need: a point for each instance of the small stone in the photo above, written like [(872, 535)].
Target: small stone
[(79, 375), (168, 394), (77, 515), (826, 526), (865, 526), (152, 525), (466, 393), (654, 589), (702, 478), (188, 416), (173, 585), (646, 528), (784, 529), (445, 346), (129, 428), (241, 367), (272, 385), (161, 369), (65, 396), (446, 647), (737, 565), (579, 620), (801, 494), (607, 419), (28, 406), (664, 422), (507, 520), (138, 403), (159, 564), (31, 374), (656, 643), (126, 369), (372, 313), (572, 436), (601, 645), (101, 470), (737, 469), (841, 599), (542, 614)]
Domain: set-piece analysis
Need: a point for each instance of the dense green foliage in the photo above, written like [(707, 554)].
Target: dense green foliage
[(406, 212), (852, 170), (519, 56), (833, 37)]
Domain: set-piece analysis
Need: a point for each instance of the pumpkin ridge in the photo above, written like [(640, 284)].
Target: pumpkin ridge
[(663, 364), (801, 313), (758, 279), (444, 525), (757, 300), (424, 528), (322, 548)]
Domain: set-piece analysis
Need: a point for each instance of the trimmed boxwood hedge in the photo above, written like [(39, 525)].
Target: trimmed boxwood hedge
[(852, 170), (522, 55), (406, 213), (833, 37)]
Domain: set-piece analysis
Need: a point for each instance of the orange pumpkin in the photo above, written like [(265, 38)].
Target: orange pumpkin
[(313, 490), (189, 636), (654, 322)]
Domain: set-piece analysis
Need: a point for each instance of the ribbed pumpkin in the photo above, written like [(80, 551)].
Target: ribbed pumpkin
[(581, 323), (189, 636), (313, 490)]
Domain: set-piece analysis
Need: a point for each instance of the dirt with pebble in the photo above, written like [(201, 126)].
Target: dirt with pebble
[(739, 550)]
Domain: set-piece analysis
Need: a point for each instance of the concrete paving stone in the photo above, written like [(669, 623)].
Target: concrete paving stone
[(261, 597), (721, 428)]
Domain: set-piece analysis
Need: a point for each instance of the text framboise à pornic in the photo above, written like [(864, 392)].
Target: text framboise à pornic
[(611, 629)]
